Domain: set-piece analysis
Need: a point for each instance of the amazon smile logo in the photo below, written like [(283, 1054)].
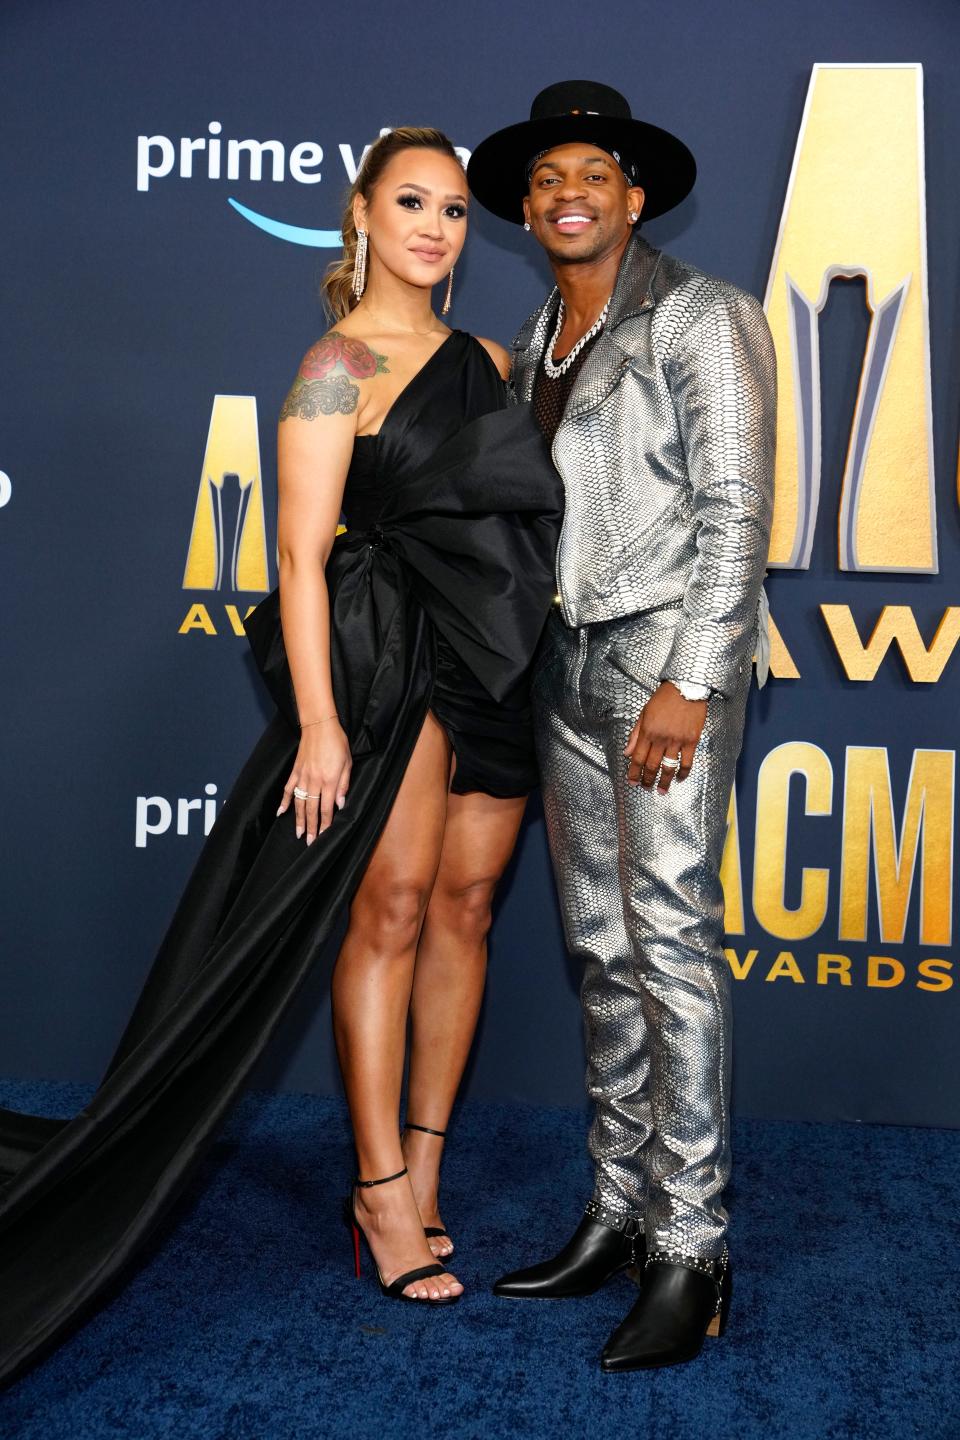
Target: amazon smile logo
[(216, 158)]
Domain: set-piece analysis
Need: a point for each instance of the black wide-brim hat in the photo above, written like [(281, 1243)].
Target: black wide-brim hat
[(581, 110)]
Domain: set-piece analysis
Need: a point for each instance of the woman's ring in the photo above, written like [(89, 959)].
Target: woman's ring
[(303, 794), (666, 764)]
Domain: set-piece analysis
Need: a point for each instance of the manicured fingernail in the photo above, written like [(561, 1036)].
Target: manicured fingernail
[(322, 829), (299, 831), (280, 811), (310, 839), (341, 801)]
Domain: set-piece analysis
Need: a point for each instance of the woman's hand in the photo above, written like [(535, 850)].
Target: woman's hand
[(322, 771), (668, 730)]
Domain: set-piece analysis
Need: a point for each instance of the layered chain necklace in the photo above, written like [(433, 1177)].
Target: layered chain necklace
[(555, 371)]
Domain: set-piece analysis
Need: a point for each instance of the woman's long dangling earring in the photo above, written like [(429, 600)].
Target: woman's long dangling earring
[(448, 298), (360, 265)]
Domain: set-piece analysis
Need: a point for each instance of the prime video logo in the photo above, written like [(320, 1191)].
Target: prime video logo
[(211, 157), (155, 815)]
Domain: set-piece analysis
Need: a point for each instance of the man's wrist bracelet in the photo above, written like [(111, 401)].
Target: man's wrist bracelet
[(305, 724)]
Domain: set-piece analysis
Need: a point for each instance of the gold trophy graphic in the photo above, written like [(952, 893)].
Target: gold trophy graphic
[(228, 546)]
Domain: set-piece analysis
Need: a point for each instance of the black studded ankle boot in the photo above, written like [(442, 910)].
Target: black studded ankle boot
[(682, 1300)]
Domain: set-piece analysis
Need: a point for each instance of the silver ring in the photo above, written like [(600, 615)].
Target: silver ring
[(299, 794), (664, 763)]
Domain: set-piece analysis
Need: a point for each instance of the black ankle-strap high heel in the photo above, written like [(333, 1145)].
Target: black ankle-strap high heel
[(393, 1291), (432, 1232)]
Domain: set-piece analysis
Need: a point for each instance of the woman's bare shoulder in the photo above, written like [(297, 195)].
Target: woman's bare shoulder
[(500, 356)]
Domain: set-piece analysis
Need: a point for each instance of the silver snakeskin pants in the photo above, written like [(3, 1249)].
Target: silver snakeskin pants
[(639, 881)]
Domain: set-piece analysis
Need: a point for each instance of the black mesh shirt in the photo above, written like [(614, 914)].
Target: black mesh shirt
[(550, 396)]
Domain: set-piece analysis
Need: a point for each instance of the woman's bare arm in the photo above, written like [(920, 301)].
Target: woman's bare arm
[(318, 426)]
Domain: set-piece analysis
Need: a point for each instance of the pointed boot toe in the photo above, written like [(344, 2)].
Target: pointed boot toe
[(593, 1255), (680, 1303)]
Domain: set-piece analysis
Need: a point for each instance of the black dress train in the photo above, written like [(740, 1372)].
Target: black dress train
[(438, 590)]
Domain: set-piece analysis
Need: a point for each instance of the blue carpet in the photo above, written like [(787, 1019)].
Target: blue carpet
[(248, 1321)]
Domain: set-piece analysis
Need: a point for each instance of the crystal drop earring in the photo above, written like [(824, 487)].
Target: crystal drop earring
[(360, 265)]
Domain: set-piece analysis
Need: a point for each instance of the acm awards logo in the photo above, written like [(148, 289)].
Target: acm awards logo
[(862, 130), (227, 551)]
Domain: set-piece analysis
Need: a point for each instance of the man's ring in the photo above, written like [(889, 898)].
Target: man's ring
[(303, 794), (666, 763)]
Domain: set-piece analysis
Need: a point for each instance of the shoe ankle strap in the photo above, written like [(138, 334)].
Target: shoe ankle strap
[(630, 1226), (409, 1125), (714, 1268), (365, 1184)]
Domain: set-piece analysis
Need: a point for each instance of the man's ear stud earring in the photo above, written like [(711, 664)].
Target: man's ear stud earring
[(526, 224), (633, 216)]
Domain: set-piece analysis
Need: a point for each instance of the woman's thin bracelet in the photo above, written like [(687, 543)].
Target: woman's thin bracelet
[(306, 725)]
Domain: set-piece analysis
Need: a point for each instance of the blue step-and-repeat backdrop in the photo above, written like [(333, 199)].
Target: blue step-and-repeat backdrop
[(172, 177)]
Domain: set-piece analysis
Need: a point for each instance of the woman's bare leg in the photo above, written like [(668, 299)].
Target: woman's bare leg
[(371, 991), (478, 840)]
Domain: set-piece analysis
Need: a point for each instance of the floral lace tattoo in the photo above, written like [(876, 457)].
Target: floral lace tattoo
[(324, 385)]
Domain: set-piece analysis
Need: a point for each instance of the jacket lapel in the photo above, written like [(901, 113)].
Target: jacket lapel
[(632, 296), (530, 344)]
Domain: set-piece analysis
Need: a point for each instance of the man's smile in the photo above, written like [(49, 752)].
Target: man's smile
[(572, 222)]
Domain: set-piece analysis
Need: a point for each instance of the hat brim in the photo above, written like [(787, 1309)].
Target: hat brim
[(497, 176)]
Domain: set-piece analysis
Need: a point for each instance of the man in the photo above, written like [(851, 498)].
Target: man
[(656, 385)]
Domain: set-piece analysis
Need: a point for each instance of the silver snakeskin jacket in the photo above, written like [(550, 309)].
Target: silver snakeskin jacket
[(666, 452)]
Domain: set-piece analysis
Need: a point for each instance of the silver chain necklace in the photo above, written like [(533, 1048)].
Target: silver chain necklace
[(555, 371)]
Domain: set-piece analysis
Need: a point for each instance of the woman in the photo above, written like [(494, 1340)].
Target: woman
[(418, 923), (402, 753)]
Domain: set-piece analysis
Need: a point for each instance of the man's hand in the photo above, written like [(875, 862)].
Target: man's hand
[(669, 728)]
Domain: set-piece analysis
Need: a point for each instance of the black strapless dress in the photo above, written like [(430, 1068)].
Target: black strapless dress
[(439, 590)]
